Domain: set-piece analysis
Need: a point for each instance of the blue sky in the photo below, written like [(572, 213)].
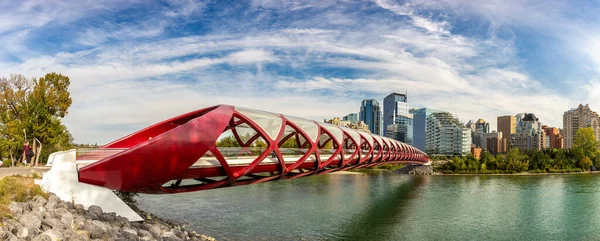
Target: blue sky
[(134, 63)]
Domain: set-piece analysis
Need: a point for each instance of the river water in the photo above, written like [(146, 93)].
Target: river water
[(385, 206)]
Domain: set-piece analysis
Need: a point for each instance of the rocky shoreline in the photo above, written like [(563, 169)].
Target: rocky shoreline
[(416, 170), (53, 219)]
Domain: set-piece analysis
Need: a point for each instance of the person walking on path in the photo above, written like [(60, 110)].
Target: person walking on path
[(27, 153)]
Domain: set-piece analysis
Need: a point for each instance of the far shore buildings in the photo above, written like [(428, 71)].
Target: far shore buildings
[(494, 143), (370, 113), (397, 121), (580, 117), (507, 125), (446, 135), (358, 125), (529, 134), (420, 126), (478, 128), (554, 138), (352, 117)]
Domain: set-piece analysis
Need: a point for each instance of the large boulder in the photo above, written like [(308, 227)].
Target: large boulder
[(96, 228), (144, 233), (31, 222), (53, 201), (38, 201), (54, 235), (12, 225), (155, 231), (80, 235), (15, 208), (170, 236), (108, 217), (78, 222), (54, 223), (95, 210), (24, 233), (130, 234)]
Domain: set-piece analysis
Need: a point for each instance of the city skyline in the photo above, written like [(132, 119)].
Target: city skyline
[(134, 64)]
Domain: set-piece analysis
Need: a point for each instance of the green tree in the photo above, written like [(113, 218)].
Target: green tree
[(35, 107), (585, 163), (585, 141), (290, 143), (228, 141)]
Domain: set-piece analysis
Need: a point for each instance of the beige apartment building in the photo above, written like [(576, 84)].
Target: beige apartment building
[(580, 117)]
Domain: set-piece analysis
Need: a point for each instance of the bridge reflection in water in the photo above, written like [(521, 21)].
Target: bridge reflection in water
[(322, 207)]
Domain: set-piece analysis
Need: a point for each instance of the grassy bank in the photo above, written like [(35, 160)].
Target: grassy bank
[(18, 189)]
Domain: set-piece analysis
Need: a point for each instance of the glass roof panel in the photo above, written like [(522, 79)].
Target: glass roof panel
[(334, 130), (367, 137), (353, 133), (309, 127), (269, 122)]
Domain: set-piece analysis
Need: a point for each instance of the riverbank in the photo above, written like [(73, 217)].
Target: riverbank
[(517, 174), (28, 213)]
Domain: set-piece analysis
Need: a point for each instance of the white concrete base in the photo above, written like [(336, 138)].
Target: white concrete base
[(62, 180)]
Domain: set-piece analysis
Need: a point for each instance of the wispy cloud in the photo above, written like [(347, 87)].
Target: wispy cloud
[(312, 59)]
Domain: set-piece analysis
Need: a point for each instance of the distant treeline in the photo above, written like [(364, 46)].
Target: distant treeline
[(581, 157)]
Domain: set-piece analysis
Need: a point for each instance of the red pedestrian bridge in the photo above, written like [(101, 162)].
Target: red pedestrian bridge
[(187, 153), (224, 146)]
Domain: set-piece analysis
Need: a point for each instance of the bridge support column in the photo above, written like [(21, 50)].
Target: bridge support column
[(62, 180)]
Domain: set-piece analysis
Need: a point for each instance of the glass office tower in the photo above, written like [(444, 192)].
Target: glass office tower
[(397, 121), (370, 113)]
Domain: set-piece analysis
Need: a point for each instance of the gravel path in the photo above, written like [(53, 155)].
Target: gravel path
[(10, 171)]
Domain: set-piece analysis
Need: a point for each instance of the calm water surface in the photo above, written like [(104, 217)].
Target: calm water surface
[(384, 206)]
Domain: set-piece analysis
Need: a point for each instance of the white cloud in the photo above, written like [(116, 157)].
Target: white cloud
[(250, 56), (120, 87)]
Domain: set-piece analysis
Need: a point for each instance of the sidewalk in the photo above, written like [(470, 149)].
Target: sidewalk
[(9, 171)]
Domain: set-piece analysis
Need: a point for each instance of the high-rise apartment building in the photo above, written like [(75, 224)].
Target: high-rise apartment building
[(494, 142), (397, 121), (507, 125), (554, 137), (580, 117), (370, 113), (478, 128), (529, 134), (446, 135), (420, 125), (352, 117)]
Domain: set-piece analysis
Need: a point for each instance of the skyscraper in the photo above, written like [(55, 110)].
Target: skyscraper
[(420, 126), (447, 136), (507, 125), (370, 113), (581, 117), (481, 127), (529, 134), (397, 121)]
